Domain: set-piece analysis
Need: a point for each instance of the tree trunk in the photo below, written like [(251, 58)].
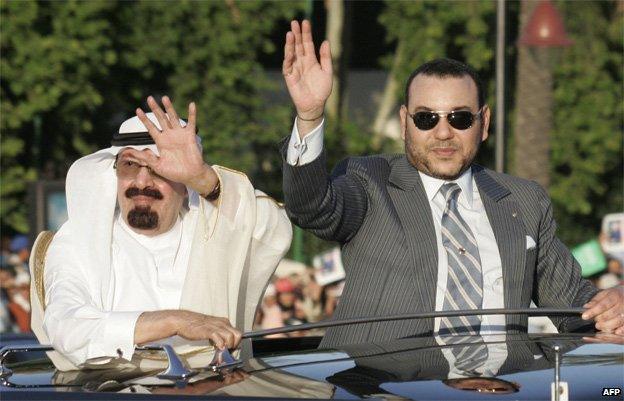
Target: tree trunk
[(534, 116), (388, 99), (334, 33)]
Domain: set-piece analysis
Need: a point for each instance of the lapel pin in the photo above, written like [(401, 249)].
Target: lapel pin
[(514, 214)]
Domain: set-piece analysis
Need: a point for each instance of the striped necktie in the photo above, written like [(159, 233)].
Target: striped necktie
[(464, 284)]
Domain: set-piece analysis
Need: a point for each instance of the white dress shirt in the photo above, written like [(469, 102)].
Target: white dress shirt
[(470, 207)]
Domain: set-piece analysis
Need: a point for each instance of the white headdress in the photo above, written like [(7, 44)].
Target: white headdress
[(91, 192)]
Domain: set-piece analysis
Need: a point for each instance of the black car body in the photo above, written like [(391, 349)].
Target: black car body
[(585, 366)]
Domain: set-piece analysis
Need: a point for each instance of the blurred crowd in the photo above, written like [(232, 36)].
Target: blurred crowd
[(613, 274), (15, 285), (296, 299)]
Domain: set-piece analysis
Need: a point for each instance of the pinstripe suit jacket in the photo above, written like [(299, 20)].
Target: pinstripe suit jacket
[(376, 207)]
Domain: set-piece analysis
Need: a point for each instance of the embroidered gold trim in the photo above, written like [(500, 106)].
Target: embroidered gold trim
[(279, 204), (230, 170), (39, 253)]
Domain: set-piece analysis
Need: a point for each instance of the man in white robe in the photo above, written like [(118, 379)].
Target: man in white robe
[(159, 247)]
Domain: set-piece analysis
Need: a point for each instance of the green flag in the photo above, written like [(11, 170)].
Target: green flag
[(590, 257)]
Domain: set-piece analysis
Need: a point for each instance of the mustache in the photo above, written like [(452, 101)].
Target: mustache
[(134, 191), (451, 145)]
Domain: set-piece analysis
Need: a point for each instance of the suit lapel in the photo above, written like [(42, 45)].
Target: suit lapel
[(410, 200), (506, 222)]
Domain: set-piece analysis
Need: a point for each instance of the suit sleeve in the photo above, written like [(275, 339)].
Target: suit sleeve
[(331, 207), (558, 280)]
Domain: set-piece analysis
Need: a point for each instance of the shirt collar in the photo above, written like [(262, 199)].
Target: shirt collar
[(432, 186)]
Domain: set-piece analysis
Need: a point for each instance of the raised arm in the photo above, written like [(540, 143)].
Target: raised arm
[(331, 208)]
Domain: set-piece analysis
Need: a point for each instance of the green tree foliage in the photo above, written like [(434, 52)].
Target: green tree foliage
[(51, 54), (76, 69), (586, 160)]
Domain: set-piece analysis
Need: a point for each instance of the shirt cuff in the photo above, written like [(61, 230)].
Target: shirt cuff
[(117, 337), (305, 151)]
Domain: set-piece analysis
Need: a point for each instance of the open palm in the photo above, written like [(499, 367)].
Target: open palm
[(180, 158), (309, 82)]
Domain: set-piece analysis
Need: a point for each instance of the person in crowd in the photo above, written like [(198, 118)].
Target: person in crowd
[(7, 280), (285, 297), (15, 281), (159, 245), (429, 229), (19, 305), (312, 302), (331, 294), (270, 312), (20, 253), (5, 251), (299, 313), (614, 273), (20, 246)]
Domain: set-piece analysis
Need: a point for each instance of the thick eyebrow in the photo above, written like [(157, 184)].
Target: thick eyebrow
[(127, 153), (126, 157), (425, 108)]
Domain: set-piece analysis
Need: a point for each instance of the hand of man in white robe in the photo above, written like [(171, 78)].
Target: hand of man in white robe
[(152, 326), (180, 159)]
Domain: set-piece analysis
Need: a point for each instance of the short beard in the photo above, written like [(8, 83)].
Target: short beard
[(420, 161), (143, 218)]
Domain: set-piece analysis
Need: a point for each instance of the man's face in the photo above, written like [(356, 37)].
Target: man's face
[(488, 385), (149, 204), (443, 152), (286, 299)]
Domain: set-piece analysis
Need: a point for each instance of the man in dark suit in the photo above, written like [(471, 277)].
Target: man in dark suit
[(429, 229)]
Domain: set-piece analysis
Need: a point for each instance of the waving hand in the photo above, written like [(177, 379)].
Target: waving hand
[(180, 158), (309, 82)]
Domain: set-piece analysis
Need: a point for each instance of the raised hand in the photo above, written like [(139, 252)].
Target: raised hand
[(180, 159), (309, 82)]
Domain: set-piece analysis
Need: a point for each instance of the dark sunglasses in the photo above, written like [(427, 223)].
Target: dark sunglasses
[(461, 119)]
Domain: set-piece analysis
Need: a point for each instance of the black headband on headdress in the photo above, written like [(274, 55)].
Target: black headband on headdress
[(133, 138)]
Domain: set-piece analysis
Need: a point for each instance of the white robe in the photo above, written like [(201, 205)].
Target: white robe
[(235, 250)]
